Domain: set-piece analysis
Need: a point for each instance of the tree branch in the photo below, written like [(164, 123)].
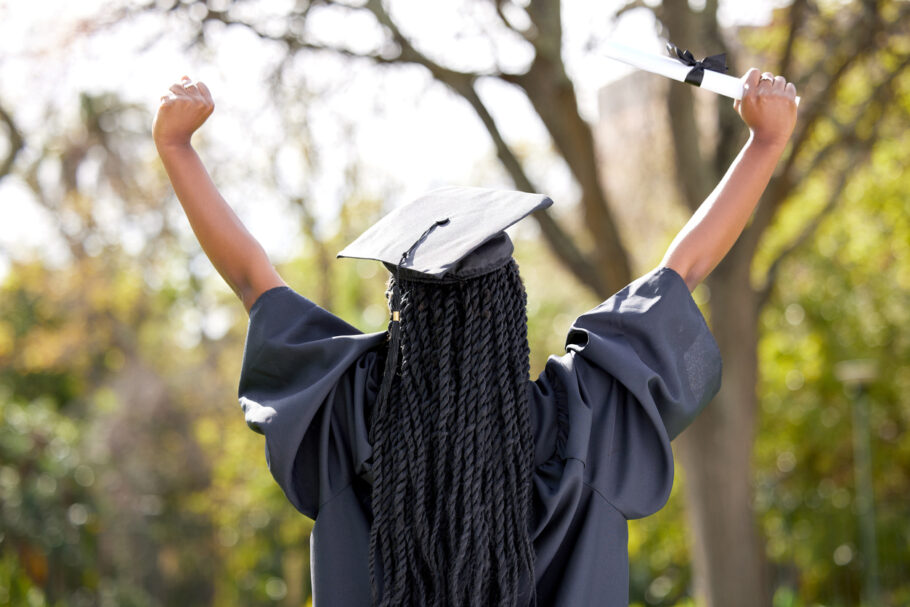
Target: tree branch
[(694, 178), (631, 5), (552, 95), (729, 125), (811, 112), (16, 142), (880, 96), (862, 47), (526, 33), (860, 150), (463, 84), (559, 241), (809, 230), (797, 15), (847, 131)]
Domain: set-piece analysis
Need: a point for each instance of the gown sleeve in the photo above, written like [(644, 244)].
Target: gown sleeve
[(305, 382), (645, 364)]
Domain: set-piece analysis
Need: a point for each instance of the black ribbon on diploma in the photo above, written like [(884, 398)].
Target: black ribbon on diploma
[(715, 63)]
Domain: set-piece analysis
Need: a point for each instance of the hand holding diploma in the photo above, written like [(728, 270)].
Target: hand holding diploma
[(768, 107), (682, 66)]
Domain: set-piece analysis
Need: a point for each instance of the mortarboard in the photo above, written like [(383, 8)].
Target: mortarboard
[(449, 233)]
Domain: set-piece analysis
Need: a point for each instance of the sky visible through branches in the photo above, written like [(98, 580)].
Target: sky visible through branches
[(55, 50)]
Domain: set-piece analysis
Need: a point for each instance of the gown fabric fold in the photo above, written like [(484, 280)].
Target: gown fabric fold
[(637, 370)]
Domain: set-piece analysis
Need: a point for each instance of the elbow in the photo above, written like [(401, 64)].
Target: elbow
[(243, 287), (248, 295), (696, 274), (692, 272), (693, 278), (254, 284)]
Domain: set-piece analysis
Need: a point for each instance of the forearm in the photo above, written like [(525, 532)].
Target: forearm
[(718, 222), (227, 243)]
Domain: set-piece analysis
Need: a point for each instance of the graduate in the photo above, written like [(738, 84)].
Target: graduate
[(437, 471)]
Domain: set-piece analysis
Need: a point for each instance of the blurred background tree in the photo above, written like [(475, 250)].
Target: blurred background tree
[(126, 480)]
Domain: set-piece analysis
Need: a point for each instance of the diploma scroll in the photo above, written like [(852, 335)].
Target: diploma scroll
[(717, 82), (669, 67)]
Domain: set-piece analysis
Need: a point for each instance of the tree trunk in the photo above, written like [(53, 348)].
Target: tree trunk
[(716, 451)]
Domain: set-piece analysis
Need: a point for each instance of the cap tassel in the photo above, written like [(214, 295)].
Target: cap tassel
[(391, 361)]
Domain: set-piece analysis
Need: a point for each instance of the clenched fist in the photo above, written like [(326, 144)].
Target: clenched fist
[(181, 112), (768, 107)]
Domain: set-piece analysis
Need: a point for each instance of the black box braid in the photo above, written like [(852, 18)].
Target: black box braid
[(453, 450)]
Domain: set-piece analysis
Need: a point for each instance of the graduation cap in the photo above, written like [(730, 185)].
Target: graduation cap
[(449, 234), (452, 233)]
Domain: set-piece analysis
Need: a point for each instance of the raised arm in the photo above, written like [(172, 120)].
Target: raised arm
[(237, 256), (768, 107)]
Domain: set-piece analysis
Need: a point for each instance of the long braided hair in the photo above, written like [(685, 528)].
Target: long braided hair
[(453, 451)]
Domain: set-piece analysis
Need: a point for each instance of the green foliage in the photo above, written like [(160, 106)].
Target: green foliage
[(846, 297), (48, 517), (553, 303), (659, 569)]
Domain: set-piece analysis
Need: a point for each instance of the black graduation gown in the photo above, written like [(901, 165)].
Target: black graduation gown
[(637, 370)]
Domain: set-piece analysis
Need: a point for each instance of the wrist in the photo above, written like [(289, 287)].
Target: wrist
[(767, 143), (167, 145)]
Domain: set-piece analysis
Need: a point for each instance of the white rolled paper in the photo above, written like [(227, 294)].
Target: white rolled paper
[(665, 65)]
